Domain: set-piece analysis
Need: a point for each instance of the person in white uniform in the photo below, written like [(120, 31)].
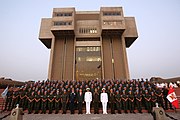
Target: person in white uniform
[(104, 100), (88, 99)]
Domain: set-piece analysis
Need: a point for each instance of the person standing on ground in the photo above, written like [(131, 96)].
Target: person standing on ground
[(88, 99), (112, 101), (80, 101), (96, 101), (72, 98), (64, 100), (57, 101), (125, 101), (131, 102), (138, 97), (37, 104), (50, 102), (118, 101), (44, 102), (104, 100)]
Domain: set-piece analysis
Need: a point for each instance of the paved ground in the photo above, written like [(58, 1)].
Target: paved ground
[(144, 116)]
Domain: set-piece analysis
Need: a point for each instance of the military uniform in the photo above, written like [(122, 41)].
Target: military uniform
[(37, 103), (125, 101), (8, 100), (138, 97), (23, 100), (50, 102), (80, 99), (153, 100), (64, 100), (44, 103), (165, 93), (112, 102), (147, 98), (31, 103), (118, 102), (96, 102), (15, 99), (57, 102), (159, 97), (131, 102), (72, 98)]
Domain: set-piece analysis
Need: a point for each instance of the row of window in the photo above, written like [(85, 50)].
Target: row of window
[(61, 23), (88, 74), (111, 14), (63, 14), (89, 59), (113, 23), (87, 30), (104, 14), (87, 49)]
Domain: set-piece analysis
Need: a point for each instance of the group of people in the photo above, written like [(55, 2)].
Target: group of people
[(59, 95)]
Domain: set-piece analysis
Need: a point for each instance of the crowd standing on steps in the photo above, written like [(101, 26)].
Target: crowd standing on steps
[(55, 95)]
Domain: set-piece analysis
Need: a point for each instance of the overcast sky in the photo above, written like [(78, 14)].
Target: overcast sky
[(156, 52)]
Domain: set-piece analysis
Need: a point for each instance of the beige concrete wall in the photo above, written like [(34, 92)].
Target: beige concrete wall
[(131, 29), (58, 59), (69, 59), (119, 58), (45, 29), (127, 75), (107, 57)]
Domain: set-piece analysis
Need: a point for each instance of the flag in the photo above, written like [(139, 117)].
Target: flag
[(4, 93), (172, 98)]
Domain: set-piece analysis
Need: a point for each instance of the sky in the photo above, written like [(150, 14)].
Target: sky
[(155, 53)]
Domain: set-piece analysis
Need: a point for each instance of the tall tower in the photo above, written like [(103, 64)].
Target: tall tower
[(88, 45)]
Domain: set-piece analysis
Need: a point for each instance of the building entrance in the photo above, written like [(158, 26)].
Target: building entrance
[(88, 64)]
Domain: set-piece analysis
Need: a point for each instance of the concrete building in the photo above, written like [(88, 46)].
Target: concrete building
[(88, 45)]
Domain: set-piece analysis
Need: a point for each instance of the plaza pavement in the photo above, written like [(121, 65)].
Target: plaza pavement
[(123, 116)]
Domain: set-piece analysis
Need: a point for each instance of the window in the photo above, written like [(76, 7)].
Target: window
[(61, 23), (111, 14), (88, 49), (113, 23), (63, 14), (88, 30)]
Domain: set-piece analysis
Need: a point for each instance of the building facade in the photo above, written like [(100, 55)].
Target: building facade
[(88, 45)]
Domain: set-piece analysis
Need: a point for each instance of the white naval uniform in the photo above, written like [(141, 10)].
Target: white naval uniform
[(104, 100), (88, 99)]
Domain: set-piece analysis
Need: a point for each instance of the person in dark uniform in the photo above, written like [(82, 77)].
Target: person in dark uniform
[(14, 99), (80, 101), (64, 100), (37, 104), (159, 95), (138, 97), (147, 98), (57, 102), (50, 102), (125, 101), (165, 93), (30, 103), (72, 98), (96, 101), (8, 100), (131, 102), (112, 101), (153, 100), (118, 101), (23, 98), (44, 102)]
